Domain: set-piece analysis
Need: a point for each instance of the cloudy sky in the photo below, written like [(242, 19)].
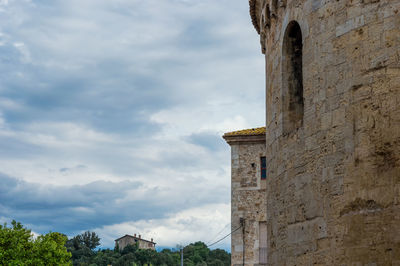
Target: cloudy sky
[(112, 111)]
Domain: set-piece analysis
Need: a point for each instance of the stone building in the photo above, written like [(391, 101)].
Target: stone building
[(248, 201), (333, 130), (126, 240)]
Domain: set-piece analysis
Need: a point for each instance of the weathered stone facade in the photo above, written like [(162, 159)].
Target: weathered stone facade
[(333, 123), (248, 199)]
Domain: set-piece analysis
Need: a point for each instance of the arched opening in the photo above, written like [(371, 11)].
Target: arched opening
[(292, 78)]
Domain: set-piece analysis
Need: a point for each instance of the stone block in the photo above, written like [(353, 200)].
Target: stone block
[(349, 25), (338, 117)]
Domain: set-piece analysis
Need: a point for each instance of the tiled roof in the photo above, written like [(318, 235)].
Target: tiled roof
[(247, 132)]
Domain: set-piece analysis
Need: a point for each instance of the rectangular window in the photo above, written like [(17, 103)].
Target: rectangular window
[(263, 168)]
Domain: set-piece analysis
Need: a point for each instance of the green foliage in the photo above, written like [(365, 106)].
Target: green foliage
[(130, 249), (17, 247), (49, 249), (88, 240), (196, 254)]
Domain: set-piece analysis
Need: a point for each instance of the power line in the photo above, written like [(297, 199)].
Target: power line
[(212, 239), (225, 236), (216, 242)]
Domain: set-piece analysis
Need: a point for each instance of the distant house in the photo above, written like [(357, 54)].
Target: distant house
[(126, 240)]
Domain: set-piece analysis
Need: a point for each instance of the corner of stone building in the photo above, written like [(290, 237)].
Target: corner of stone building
[(248, 202)]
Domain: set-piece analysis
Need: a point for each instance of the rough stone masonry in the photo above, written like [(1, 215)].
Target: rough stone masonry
[(248, 200), (333, 130)]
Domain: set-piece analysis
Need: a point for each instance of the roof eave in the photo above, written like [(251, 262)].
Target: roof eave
[(244, 139)]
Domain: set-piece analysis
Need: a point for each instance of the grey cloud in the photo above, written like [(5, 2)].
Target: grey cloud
[(108, 66), (66, 209), (209, 141), (69, 209), (69, 169)]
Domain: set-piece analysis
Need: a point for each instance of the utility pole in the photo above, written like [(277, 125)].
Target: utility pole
[(242, 223), (181, 252), (181, 256)]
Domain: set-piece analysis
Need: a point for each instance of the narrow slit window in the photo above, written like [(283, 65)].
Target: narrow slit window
[(263, 168)]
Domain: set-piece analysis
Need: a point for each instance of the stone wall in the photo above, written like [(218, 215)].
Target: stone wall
[(248, 199), (144, 244), (333, 187)]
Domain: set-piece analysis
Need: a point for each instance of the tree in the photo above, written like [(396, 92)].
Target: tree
[(18, 247), (49, 249), (196, 254), (15, 244), (88, 239), (216, 262), (218, 256), (130, 249)]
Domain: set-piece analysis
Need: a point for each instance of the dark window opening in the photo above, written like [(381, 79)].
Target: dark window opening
[(292, 68), (263, 167)]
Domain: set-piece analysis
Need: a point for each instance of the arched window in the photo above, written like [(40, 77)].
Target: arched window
[(292, 74)]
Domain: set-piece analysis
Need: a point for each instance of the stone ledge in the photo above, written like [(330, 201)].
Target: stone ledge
[(244, 139)]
